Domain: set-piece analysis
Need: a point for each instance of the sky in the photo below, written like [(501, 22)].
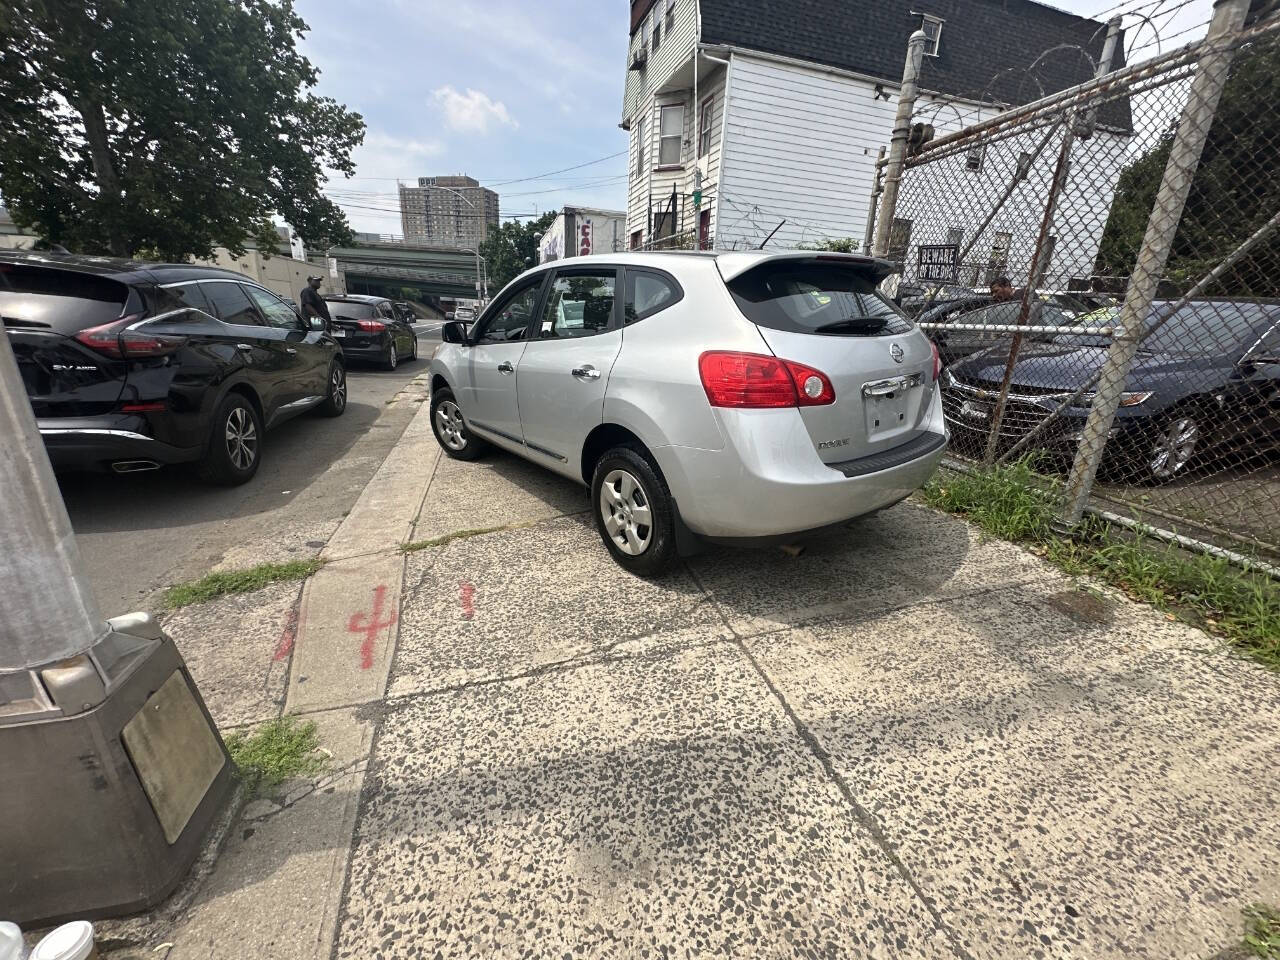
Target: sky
[(510, 90)]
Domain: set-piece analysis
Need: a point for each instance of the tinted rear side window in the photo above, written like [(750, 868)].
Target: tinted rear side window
[(351, 310), (647, 293), (61, 300), (819, 298), (232, 304)]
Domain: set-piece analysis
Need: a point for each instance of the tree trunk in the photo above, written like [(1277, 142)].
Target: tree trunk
[(109, 192)]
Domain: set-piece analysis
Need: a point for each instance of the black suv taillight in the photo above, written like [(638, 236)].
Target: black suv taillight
[(118, 341)]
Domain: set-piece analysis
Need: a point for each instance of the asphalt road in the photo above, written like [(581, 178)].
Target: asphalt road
[(142, 532)]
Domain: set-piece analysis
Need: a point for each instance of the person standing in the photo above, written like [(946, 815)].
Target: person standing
[(1001, 290), (313, 304)]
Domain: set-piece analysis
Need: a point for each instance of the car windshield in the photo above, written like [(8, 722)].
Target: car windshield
[(818, 298), (1195, 330), (349, 310)]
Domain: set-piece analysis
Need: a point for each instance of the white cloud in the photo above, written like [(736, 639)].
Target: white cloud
[(473, 111)]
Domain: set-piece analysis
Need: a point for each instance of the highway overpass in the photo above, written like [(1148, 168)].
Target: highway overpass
[(382, 267)]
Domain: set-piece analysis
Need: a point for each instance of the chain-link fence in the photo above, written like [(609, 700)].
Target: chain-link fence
[(1100, 271)]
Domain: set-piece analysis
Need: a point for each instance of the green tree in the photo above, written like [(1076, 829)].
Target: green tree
[(1234, 192), (512, 249), (166, 127)]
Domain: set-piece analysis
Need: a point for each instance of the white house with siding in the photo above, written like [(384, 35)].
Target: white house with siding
[(746, 113)]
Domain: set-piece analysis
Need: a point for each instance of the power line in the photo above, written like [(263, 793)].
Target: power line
[(502, 183)]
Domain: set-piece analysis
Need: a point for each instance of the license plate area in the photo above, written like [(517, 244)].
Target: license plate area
[(888, 405), (340, 334)]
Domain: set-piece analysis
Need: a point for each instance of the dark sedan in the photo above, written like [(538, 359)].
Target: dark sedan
[(1204, 385), (130, 366), (372, 329)]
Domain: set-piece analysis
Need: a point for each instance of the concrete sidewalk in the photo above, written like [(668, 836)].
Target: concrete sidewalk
[(907, 742)]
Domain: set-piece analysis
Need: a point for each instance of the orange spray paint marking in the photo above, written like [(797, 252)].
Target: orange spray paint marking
[(369, 624)]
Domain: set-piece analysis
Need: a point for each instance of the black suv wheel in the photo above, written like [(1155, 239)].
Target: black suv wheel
[(235, 443)]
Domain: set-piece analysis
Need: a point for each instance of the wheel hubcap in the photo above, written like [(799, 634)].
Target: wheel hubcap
[(450, 426), (242, 438), (1175, 447), (391, 354), (339, 388), (624, 508)]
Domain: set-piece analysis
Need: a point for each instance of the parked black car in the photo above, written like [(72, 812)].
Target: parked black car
[(371, 328), (1048, 309), (1205, 384), (130, 366)]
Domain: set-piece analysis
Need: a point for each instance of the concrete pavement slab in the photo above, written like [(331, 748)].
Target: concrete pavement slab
[(503, 603), (276, 888), (897, 557), (498, 490), (1066, 777), (346, 633), (237, 649), (654, 806), (383, 517)]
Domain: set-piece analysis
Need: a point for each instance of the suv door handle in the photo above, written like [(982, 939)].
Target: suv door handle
[(586, 372), (290, 350), (506, 368), (247, 347)]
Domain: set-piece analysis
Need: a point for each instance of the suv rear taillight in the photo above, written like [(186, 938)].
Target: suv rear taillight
[(753, 380), (117, 341), (372, 326)]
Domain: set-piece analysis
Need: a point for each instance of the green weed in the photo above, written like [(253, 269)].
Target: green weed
[(1262, 931), (447, 538), (1014, 503), (237, 581), (276, 751)]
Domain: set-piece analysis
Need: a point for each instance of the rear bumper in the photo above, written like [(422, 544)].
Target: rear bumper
[(769, 482), (364, 348), (95, 443)]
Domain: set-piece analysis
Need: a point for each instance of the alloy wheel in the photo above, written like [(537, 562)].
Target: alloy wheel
[(338, 388), (450, 426), (1174, 448), (624, 508), (392, 357), (241, 438)]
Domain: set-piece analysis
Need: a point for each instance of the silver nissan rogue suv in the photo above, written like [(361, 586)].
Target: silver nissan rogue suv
[(732, 397)]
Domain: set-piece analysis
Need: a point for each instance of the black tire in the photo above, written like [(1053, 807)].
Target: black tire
[(335, 398), (413, 354), (392, 359), (657, 539), (223, 463), (1167, 451), (456, 440)]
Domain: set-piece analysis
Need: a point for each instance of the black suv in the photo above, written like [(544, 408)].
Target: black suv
[(133, 365), (373, 329)]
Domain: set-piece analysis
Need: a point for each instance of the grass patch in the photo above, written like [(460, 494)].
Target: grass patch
[(278, 750), (447, 538), (1013, 503), (1262, 931), (237, 581)]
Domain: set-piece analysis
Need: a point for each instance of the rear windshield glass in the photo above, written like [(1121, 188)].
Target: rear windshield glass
[(61, 300), (819, 298), (350, 311)]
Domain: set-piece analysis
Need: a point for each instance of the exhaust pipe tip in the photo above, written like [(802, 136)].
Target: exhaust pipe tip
[(134, 466)]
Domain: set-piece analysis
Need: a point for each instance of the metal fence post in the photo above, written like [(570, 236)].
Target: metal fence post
[(1184, 158), (898, 145), (47, 606), (870, 235)]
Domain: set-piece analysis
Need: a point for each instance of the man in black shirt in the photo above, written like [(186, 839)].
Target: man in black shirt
[(313, 304)]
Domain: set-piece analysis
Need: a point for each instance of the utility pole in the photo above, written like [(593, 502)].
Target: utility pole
[(1184, 159), (898, 145), (113, 770)]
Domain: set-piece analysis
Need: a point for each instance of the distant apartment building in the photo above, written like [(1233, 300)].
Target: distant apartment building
[(447, 212)]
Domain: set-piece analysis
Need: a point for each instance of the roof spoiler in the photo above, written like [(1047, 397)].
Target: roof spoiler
[(735, 265)]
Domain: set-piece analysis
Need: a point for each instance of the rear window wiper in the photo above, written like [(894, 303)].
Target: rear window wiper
[(853, 323)]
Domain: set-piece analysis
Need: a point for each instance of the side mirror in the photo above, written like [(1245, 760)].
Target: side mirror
[(317, 323), (455, 331)]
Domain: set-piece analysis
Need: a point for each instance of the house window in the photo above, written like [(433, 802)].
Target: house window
[(975, 156), (955, 237), (637, 238), (705, 117), (998, 262), (671, 135), (657, 30), (932, 27), (899, 239), (671, 14), (1024, 165), (640, 167), (644, 33)]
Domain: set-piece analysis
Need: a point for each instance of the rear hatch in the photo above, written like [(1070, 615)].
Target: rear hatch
[(824, 311), (354, 325), (43, 310)]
